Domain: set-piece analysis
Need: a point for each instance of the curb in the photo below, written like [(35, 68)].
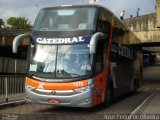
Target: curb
[(7, 104)]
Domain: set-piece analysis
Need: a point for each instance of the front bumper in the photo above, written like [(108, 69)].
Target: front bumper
[(70, 98)]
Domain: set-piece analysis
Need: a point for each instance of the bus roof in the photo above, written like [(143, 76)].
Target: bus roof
[(80, 5)]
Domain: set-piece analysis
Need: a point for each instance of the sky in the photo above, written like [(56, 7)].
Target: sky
[(30, 8)]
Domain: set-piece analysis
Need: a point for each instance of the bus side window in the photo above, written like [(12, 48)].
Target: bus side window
[(98, 64), (103, 21)]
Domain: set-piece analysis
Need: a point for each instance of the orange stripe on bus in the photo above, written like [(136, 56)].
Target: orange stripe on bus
[(32, 82), (65, 86), (57, 86), (109, 45), (101, 78)]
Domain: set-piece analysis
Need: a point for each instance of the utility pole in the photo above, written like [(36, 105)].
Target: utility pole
[(158, 13)]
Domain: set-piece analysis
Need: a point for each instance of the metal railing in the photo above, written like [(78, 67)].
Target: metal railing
[(11, 88), (11, 32), (12, 66)]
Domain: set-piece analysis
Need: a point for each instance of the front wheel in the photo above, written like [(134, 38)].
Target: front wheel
[(135, 85), (108, 97)]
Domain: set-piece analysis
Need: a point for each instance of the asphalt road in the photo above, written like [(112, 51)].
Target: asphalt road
[(143, 105)]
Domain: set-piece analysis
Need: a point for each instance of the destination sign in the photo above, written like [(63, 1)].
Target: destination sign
[(45, 40)]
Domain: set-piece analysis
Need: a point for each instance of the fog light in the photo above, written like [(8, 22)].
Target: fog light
[(26, 96), (87, 100)]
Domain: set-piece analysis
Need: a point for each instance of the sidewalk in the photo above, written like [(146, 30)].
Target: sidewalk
[(150, 106), (153, 105)]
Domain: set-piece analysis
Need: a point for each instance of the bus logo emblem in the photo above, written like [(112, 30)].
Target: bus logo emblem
[(53, 92)]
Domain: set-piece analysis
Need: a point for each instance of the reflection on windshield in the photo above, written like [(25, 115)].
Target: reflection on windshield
[(69, 61), (47, 56), (72, 58)]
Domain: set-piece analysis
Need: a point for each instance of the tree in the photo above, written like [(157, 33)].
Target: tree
[(1, 23), (12, 21), (19, 22)]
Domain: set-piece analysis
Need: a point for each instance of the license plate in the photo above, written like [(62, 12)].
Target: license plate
[(52, 100)]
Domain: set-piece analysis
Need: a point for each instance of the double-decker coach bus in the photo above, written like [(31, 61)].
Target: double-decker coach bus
[(78, 56)]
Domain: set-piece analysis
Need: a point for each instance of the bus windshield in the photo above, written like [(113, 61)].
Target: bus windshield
[(65, 19), (60, 61)]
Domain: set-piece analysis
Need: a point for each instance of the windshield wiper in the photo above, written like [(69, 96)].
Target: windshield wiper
[(31, 74), (75, 74), (64, 73)]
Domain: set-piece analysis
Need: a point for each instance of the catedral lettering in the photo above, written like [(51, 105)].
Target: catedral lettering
[(59, 40), (124, 51), (78, 57)]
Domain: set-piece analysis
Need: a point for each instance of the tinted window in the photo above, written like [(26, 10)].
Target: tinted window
[(65, 19)]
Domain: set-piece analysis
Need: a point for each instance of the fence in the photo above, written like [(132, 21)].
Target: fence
[(11, 88), (10, 66), (5, 32)]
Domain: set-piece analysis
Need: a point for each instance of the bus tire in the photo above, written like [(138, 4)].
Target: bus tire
[(108, 96), (135, 85)]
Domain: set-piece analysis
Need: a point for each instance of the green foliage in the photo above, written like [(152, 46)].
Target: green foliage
[(1, 23), (11, 21), (19, 22)]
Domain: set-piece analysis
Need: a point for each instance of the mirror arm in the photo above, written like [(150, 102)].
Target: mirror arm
[(16, 41), (94, 40)]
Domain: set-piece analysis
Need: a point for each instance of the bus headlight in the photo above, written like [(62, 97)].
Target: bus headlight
[(83, 89), (30, 87)]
